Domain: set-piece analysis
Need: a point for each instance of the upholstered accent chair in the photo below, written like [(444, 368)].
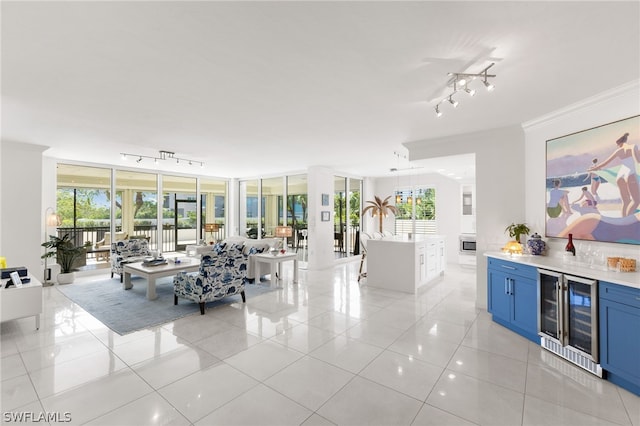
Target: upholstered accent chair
[(222, 273), (127, 251), (251, 248)]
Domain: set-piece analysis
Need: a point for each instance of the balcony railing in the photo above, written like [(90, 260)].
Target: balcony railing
[(95, 234)]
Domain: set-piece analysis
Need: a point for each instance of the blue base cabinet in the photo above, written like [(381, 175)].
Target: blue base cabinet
[(513, 296), (619, 313)]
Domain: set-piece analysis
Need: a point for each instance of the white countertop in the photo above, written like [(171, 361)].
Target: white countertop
[(630, 279), (418, 238)]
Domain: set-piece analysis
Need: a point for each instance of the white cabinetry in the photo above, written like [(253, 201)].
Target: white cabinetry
[(21, 302), (399, 263)]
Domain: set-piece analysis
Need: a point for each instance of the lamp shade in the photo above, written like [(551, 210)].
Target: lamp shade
[(512, 247), (284, 231), (53, 219), (211, 227)]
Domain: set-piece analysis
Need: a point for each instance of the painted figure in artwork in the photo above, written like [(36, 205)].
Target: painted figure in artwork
[(595, 179), (628, 155), (558, 200), (588, 200)]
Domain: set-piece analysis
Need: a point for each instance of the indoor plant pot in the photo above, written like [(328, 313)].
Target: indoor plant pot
[(516, 230), (65, 253)]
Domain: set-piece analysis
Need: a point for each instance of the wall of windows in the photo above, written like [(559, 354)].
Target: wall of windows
[(298, 213), (179, 212), (83, 202), (249, 209), (419, 203), (169, 223), (272, 204), (346, 216), (213, 201)]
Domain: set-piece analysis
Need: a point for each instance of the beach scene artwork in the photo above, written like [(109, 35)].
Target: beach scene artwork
[(592, 184)]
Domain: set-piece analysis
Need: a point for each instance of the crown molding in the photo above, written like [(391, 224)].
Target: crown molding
[(610, 94)]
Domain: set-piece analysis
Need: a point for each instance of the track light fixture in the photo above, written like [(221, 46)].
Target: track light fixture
[(163, 155), (471, 92), (460, 82)]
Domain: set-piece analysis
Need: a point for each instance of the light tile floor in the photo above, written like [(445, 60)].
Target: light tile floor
[(325, 351)]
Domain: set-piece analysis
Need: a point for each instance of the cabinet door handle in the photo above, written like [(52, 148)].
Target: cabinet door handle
[(508, 267), (511, 286), (506, 286)]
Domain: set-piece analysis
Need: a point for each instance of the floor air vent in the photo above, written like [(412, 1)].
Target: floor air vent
[(572, 355)]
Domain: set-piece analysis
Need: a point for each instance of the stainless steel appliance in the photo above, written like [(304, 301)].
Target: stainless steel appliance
[(467, 249), (468, 243), (568, 318)]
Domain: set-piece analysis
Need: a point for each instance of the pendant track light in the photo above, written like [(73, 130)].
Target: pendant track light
[(460, 83), (163, 155)]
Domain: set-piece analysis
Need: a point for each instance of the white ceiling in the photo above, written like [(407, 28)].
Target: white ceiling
[(259, 88)]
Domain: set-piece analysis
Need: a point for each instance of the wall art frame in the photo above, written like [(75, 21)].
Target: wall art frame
[(592, 185)]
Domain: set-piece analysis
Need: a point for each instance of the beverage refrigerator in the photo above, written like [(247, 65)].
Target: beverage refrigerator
[(568, 318)]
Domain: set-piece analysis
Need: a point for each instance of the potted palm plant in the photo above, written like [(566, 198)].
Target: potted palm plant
[(65, 253), (379, 207)]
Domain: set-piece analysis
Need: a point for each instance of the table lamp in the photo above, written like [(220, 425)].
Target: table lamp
[(211, 228), (284, 232)]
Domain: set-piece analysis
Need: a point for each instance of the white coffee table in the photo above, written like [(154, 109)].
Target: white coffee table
[(151, 273), (276, 264)]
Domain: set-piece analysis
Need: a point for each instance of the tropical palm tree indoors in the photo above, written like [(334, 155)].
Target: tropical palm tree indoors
[(379, 208)]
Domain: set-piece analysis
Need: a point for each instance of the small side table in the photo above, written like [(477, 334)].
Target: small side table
[(21, 302), (276, 264)]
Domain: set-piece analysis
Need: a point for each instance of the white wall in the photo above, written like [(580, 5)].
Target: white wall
[(615, 104), (320, 181), (22, 216), (500, 175), (448, 205)]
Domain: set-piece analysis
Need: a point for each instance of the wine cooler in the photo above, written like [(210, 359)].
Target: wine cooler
[(568, 318)]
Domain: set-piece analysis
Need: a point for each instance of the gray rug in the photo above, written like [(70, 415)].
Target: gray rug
[(125, 311)]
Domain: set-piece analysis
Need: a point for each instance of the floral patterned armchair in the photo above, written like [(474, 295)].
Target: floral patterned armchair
[(222, 273), (127, 251)]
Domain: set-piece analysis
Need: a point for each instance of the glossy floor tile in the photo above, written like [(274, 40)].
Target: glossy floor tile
[(325, 351)]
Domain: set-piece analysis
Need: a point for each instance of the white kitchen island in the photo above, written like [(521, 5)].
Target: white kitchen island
[(404, 264)]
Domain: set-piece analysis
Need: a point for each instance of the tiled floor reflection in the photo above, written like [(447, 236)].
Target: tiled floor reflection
[(325, 351)]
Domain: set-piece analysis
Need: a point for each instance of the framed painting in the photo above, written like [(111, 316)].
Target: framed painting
[(592, 186), (325, 216), (325, 199)]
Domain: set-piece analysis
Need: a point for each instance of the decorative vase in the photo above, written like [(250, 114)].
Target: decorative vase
[(536, 245), (66, 278)]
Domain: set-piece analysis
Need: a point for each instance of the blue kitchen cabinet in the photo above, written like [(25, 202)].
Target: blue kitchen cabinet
[(619, 312), (513, 297)]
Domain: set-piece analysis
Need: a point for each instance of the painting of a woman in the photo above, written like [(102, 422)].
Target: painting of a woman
[(628, 156), (609, 211)]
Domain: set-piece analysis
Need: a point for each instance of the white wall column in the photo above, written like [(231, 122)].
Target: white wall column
[(500, 177)]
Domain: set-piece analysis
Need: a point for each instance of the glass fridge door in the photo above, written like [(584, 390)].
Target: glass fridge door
[(582, 316), (550, 304)]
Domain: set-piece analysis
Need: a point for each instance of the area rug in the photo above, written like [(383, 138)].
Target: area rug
[(125, 311)]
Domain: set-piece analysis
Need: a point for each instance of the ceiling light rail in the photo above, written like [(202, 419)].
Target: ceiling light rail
[(460, 83), (163, 155)]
